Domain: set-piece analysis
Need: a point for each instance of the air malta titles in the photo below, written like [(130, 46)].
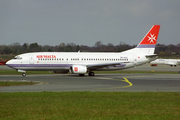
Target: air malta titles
[(45, 56)]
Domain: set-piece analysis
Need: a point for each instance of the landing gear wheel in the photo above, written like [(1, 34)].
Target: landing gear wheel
[(91, 73), (24, 74)]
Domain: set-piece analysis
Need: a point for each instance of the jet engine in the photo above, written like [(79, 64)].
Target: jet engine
[(78, 69)]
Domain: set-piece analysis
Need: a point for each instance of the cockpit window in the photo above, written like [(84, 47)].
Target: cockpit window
[(17, 57)]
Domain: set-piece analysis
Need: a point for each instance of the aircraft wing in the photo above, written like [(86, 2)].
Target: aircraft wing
[(97, 66)]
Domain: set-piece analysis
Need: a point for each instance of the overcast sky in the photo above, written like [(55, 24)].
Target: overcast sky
[(84, 22)]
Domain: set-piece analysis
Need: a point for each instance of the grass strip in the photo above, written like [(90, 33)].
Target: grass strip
[(7, 83), (14, 72), (90, 105)]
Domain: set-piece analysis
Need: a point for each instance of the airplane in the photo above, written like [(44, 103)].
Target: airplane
[(87, 62), (171, 62)]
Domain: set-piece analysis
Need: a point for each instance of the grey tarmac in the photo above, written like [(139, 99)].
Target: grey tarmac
[(99, 82)]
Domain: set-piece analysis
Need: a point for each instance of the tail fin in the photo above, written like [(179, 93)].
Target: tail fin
[(148, 43), (150, 39)]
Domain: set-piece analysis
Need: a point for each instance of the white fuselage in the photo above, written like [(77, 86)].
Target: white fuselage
[(61, 61), (171, 62)]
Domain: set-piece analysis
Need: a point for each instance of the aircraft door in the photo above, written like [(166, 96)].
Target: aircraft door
[(31, 59), (135, 60)]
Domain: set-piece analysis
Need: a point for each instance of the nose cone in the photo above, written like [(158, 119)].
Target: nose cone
[(9, 63)]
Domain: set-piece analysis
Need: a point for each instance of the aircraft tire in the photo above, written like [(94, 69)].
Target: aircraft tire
[(24, 74), (91, 73)]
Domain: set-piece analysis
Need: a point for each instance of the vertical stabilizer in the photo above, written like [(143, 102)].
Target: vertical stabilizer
[(150, 39), (148, 43)]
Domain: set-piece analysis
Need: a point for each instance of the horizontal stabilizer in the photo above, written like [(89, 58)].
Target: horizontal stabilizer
[(154, 55)]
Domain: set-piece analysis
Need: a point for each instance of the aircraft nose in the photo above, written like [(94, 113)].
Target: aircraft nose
[(9, 63)]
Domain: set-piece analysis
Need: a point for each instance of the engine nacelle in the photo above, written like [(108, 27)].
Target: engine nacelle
[(78, 69)]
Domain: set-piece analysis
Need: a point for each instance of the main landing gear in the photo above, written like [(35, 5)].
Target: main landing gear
[(91, 73)]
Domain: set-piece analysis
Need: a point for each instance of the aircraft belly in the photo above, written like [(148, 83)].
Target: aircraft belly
[(39, 67), (43, 68)]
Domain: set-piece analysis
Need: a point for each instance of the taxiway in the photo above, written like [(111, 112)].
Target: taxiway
[(100, 82)]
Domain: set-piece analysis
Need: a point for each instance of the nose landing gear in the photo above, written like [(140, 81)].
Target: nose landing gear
[(24, 74)]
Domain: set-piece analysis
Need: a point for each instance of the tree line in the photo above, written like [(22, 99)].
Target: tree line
[(16, 48)]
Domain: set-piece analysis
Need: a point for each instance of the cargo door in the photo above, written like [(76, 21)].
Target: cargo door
[(135, 60)]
